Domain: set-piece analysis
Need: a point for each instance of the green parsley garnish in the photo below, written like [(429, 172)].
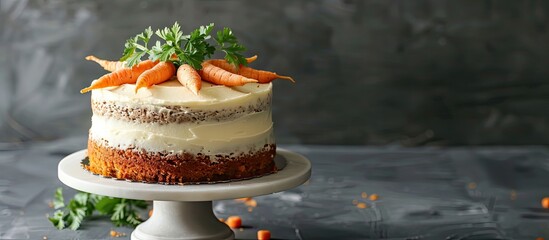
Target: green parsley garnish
[(180, 49), (136, 47), (123, 212), (230, 46)]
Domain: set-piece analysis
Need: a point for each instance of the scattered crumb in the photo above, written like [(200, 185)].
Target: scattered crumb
[(355, 202), (221, 219), (45, 238), (364, 195), (117, 234), (244, 199), (263, 235), (472, 185), (251, 203), (513, 195), (374, 197), (241, 229), (361, 205), (234, 221), (545, 202), (248, 201), (150, 213)]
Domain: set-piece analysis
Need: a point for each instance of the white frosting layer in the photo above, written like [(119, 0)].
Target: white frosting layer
[(248, 132), (174, 94)]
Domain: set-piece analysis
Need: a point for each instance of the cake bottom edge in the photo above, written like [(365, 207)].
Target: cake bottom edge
[(185, 168)]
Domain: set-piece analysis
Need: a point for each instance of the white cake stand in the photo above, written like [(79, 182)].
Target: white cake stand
[(184, 212)]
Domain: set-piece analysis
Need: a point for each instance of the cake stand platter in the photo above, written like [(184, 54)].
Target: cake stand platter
[(184, 212)]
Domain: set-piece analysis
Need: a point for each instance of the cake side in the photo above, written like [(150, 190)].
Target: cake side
[(224, 134)]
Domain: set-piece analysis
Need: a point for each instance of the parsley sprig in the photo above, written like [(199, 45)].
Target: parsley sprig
[(190, 49), (137, 47), (123, 212), (230, 46)]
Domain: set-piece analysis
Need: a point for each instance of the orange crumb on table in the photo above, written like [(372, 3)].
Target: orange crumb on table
[(117, 234), (221, 219), (251, 203), (250, 209), (150, 213), (355, 202), (513, 195), (263, 235), (545, 202), (361, 205), (244, 199), (364, 195), (374, 197), (472, 185), (234, 221)]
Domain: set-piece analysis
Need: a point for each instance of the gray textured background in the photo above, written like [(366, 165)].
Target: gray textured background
[(368, 72), (396, 73)]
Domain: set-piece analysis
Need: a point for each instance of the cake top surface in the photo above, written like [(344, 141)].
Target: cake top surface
[(173, 93)]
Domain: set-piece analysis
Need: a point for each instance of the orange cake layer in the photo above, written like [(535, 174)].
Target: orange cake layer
[(142, 166)]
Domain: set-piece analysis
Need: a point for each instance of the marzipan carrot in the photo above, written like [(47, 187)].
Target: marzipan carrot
[(121, 76), (222, 63), (110, 66), (187, 76), (158, 74), (221, 76)]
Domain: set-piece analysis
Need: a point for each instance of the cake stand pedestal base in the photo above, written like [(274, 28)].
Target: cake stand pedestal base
[(182, 221), (184, 212)]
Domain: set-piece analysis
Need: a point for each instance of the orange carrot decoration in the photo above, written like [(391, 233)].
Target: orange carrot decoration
[(187, 76), (260, 75), (221, 76), (110, 66), (158, 74), (222, 63), (121, 76), (251, 59)]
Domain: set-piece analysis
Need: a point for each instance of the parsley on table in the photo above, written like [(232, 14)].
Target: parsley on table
[(123, 212)]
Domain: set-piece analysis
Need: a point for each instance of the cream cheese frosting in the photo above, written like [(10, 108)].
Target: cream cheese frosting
[(248, 131), (174, 94)]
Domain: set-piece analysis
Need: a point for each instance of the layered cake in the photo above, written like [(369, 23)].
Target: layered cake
[(167, 134)]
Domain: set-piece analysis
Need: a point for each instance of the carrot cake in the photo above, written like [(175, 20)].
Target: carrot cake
[(167, 134)]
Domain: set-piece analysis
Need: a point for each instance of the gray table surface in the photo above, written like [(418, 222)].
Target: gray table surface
[(424, 193)]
